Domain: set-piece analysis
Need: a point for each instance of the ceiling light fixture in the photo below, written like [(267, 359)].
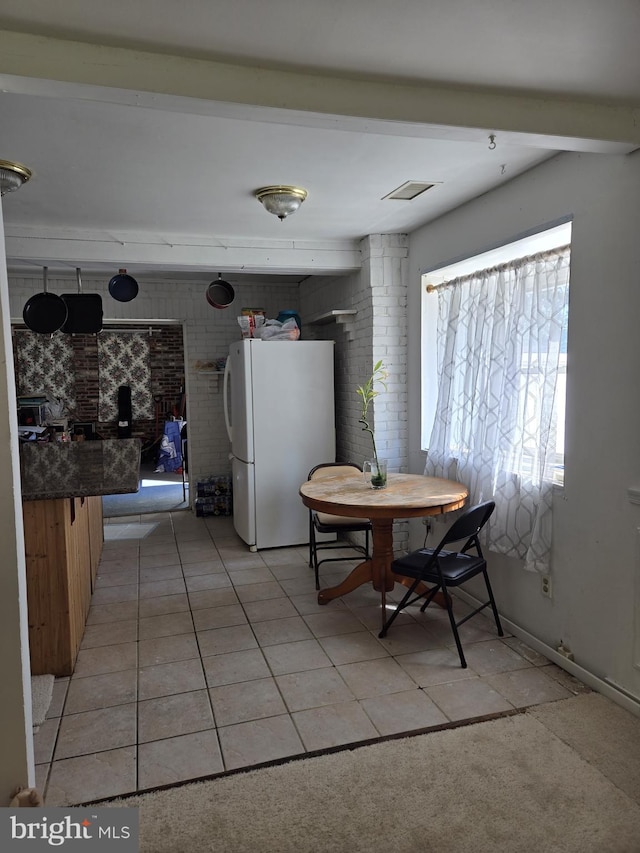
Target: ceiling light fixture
[(12, 176), (281, 201)]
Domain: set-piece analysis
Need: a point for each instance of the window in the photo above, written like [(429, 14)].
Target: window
[(495, 383)]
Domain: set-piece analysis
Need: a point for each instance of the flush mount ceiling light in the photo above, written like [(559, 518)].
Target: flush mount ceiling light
[(12, 176), (281, 201)]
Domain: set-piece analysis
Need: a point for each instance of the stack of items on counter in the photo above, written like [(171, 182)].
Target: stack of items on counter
[(214, 496), (254, 324)]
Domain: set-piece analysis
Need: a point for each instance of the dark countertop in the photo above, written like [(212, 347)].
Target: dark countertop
[(79, 469)]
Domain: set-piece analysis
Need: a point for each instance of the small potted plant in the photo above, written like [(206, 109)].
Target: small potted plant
[(368, 393)]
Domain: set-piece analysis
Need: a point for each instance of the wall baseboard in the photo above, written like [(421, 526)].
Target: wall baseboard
[(606, 686)]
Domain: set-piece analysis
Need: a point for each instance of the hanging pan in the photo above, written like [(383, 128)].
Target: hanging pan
[(123, 287), (220, 294), (84, 315), (45, 312)]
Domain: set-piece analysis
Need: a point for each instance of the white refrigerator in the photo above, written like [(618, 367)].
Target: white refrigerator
[(280, 414)]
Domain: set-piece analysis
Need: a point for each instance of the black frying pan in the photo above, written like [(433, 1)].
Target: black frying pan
[(123, 287), (45, 312)]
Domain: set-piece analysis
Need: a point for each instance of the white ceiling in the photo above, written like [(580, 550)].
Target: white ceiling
[(149, 124)]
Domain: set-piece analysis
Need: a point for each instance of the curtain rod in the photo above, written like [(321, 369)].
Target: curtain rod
[(539, 256)]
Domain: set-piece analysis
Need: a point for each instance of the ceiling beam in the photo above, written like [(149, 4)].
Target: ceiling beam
[(147, 75)]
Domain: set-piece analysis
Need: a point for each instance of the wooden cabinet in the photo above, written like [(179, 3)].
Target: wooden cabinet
[(63, 543)]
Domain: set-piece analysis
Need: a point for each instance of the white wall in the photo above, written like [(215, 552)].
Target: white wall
[(16, 742), (595, 561)]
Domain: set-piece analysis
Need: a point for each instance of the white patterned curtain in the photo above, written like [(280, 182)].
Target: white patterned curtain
[(123, 359), (501, 350), (45, 366)]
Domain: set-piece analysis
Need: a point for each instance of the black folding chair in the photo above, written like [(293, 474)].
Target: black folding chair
[(322, 522), (447, 569)]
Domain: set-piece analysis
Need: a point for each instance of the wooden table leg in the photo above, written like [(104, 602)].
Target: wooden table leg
[(361, 574)]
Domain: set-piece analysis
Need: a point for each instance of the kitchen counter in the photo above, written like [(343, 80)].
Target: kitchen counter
[(79, 469)]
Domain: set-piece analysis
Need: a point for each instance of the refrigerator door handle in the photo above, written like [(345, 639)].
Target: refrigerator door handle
[(225, 398)]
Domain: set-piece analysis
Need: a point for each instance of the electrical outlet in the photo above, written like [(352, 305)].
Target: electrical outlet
[(546, 585)]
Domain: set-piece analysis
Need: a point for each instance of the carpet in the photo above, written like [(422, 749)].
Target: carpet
[(41, 693), (508, 785)]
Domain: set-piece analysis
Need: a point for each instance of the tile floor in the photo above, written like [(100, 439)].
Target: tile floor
[(201, 657)]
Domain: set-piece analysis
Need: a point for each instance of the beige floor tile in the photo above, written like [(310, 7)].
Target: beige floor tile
[(333, 623), (115, 594), (525, 651), (168, 649), (153, 561), (235, 667), (42, 777), (408, 711), (333, 725), (169, 678), (313, 688), (308, 603), (492, 656), (112, 578), (300, 585), (527, 687), (219, 617), (371, 617), (166, 625), (107, 613), (58, 697), (273, 608), (176, 759), (92, 777), (259, 591), (221, 640), (213, 597), (278, 631), (101, 691), (167, 548), (45, 739), (296, 657), (163, 605), (105, 659), (161, 573), (403, 639), (375, 678), (171, 716), (473, 697), (249, 700), (238, 560), (350, 648), (217, 580), (286, 571), (202, 567), (257, 741), (573, 685), (243, 577), (96, 731), (286, 556), (436, 666), (153, 589), (109, 634)]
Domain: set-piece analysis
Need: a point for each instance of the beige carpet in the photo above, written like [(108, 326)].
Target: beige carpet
[(560, 778), (41, 693)]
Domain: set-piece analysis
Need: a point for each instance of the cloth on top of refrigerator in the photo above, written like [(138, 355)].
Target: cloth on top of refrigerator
[(170, 453)]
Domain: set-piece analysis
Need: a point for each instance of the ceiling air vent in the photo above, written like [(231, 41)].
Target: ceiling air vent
[(409, 190)]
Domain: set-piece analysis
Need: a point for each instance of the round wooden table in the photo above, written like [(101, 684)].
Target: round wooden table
[(406, 496)]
